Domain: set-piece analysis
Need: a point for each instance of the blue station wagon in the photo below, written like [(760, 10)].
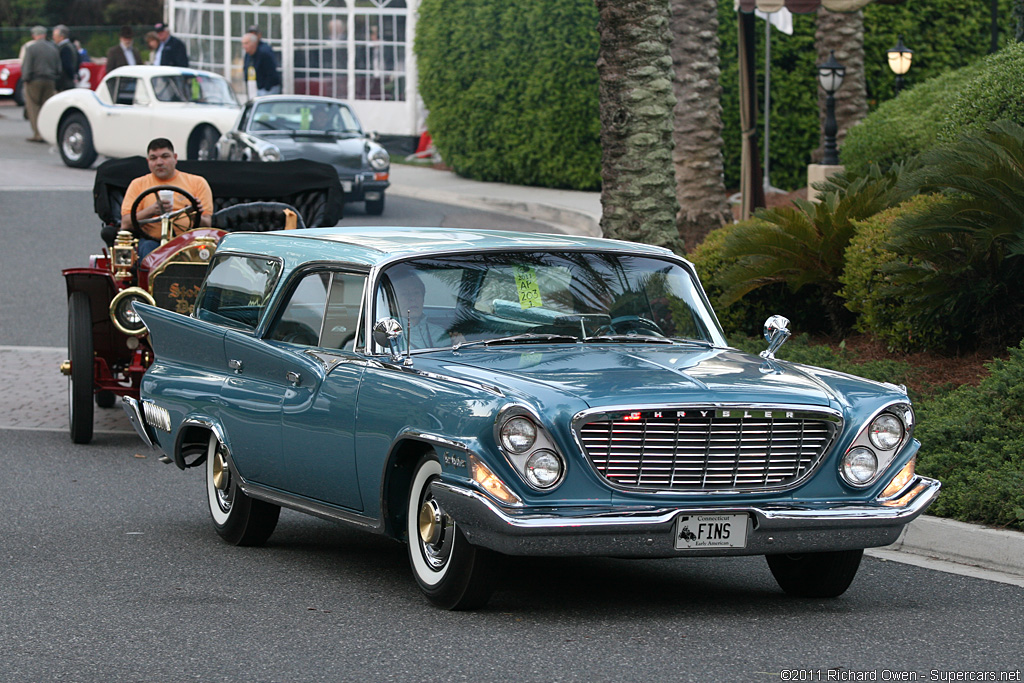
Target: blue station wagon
[(477, 393)]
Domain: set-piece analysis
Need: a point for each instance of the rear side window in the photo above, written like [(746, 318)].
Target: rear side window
[(237, 290)]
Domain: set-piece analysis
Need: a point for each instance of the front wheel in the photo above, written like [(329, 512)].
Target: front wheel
[(450, 571), (80, 381), (815, 575), (375, 207), (239, 519), (74, 140)]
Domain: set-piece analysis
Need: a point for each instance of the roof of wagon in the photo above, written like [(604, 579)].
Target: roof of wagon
[(371, 245)]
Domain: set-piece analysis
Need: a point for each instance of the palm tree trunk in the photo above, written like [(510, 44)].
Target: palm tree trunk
[(700, 183), (843, 33), (635, 89)]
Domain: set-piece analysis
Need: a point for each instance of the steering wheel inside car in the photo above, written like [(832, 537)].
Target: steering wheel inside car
[(191, 211), (632, 324)]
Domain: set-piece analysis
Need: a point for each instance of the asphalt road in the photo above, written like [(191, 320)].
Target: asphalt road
[(111, 571)]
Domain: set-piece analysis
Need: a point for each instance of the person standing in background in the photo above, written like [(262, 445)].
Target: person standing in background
[(262, 77), (124, 53), (153, 43), (68, 58), (40, 70), (171, 51)]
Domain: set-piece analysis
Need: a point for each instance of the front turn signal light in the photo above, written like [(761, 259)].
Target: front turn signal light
[(490, 482), (900, 481)]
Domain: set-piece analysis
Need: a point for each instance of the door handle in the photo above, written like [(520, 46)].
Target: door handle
[(235, 365), (293, 377)]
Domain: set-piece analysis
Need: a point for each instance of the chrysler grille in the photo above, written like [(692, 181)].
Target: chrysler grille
[(706, 449)]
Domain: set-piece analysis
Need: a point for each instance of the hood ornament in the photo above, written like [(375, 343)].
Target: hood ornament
[(776, 332)]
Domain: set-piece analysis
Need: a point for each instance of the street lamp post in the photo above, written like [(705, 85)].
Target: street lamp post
[(830, 76), (899, 61)]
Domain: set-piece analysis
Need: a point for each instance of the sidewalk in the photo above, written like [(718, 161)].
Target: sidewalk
[(566, 211), (956, 547)]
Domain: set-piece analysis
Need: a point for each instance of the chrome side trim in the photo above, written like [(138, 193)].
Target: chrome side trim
[(311, 507), (489, 388), (131, 408)]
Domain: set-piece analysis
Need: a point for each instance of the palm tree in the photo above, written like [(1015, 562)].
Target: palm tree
[(843, 32), (700, 182), (635, 91)]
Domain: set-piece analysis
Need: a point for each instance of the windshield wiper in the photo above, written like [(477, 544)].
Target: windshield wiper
[(526, 338), (628, 339)]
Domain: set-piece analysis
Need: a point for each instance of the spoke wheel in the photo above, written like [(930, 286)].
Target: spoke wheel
[(450, 571), (205, 146), (80, 381), (815, 575), (74, 139), (238, 519)]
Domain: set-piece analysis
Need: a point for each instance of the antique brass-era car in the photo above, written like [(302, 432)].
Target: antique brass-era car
[(474, 393), (108, 350)]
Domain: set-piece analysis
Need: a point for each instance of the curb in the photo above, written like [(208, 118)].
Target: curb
[(962, 543)]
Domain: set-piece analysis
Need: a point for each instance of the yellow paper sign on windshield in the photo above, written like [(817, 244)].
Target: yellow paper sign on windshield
[(196, 94), (304, 118), (526, 287)]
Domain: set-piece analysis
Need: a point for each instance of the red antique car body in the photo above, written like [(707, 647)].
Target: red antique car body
[(89, 76)]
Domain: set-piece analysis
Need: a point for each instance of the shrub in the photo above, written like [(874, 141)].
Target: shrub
[(973, 441), (995, 93), (905, 126), (961, 269), (745, 317), (804, 246), (867, 290), (511, 87)]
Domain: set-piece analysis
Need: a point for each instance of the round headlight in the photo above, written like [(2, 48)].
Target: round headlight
[(270, 154), (886, 432), (859, 466), (543, 469), (379, 160), (124, 316), (518, 435), (4, 73)]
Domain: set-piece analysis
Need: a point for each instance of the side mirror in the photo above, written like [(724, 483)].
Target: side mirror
[(386, 333), (776, 332)]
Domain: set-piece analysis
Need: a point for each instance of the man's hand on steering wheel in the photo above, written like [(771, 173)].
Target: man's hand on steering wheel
[(148, 220)]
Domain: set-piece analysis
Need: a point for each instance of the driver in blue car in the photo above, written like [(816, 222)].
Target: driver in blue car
[(163, 170)]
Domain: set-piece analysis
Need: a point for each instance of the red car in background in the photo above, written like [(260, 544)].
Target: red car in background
[(89, 76)]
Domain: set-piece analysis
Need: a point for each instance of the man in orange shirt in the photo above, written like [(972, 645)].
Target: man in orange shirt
[(163, 171)]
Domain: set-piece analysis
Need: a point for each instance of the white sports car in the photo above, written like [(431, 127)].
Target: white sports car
[(135, 104)]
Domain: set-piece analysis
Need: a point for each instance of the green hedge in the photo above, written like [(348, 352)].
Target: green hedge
[(903, 127), (880, 312), (995, 93), (511, 85), (511, 89), (973, 442)]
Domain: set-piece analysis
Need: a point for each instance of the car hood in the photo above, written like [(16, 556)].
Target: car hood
[(329, 149), (634, 375)]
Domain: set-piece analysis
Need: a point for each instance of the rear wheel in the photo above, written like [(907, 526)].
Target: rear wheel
[(815, 575), (74, 140), (80, 381), (239, 519), (450, 571), (105, 399), (204, 145)]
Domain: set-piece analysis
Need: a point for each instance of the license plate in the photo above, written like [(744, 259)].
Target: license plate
[(706, 532), (346, 185)]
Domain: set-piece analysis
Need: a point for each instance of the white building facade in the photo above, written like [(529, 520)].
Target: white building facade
[(359, 51)]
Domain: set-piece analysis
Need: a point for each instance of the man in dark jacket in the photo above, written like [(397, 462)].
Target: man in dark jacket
[(124, 53), (68, 58), (40, 70), (262, 76), (171, 51)]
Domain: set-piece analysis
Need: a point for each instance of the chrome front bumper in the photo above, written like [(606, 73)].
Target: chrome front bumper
[(649, 531)]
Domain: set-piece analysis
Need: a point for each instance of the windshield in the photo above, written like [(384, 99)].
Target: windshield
[(514, 298), (196, 88), (303, 115)]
